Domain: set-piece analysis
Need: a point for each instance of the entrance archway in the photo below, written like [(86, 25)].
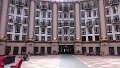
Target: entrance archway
[(66, 49)]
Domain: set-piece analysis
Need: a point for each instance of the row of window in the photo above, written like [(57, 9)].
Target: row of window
[(19, 11)]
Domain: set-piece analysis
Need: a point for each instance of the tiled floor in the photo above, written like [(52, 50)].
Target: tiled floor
[(71, 61)]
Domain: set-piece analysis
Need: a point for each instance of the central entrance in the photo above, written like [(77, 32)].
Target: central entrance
[(66, 49)]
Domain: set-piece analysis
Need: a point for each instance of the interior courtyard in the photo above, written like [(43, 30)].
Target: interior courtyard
[(61, 33)]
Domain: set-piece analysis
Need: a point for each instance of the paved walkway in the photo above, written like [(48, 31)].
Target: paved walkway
[(68, 61)]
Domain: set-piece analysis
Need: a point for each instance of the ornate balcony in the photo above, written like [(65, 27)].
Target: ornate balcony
[(115, 22), (43, 24), (65, 9), (43, 7), (18, 23), (89, 24), (19, 4), (88, 7), (114, 2)]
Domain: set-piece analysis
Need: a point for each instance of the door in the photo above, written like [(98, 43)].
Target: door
[(66, 49), (35, 50), (83, 50), (42, 50), (97, 49), (118, 50), (90, 49), (23, 49), (7, 50), (48, 50), (15, 51), (111, 51)]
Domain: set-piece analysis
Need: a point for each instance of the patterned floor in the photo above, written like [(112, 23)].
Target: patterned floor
[(70, 61), (100, 61)]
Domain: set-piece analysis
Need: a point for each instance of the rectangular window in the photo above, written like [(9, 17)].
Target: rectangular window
[(109, 29), (108, 20), (25, 20), (24, 29), (42, 38), (24, 37), (18, 19), (96, 30), (49, 14), (83, 22), (88, 13), (107, 10), (117, 28), (17, 29), (9, 36), (36, 30), (90, 30), (60, 15), (37, 13), (59, 31), (82, 14), (42, 30), (10, 28), (71, 14), (19, 10), (60, 38), (43, 14), (115, 9), (48, 31), (71, 23), (48, 22), (26, 12), (83, 38), (72, 31), (48, 38), (65, 38), (110, 37), (83, 31), (94, 13), (11, 19), (37, 21), (71, 38), (96, 38), (36, 38), (117, 36), (17, 37), (90, 38)]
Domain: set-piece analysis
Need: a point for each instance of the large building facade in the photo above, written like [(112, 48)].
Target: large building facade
[(61, 26)]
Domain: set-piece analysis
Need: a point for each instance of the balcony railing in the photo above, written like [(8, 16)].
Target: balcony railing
[(89, 24), (116, 22), (43, 7), (114, 2), (19, 4), (88, 7), (43, 25), (17, 22), (66, 9)]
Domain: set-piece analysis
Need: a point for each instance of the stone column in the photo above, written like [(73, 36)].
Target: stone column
[(54, 21), (3, 25), (19, 52), (30, 44), (31, 20), (54, 28), (78, 28), (102, 21), (3, 22), (104, 44)]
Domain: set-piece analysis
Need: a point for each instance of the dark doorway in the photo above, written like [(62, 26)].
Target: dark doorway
[(90, 49), (111, 51), (7, 50), (83, 50), (35, 49), (97, 49), (118, 50), (42, 50), (23, 49), (48, 50), (15, 51), (66, 49)]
